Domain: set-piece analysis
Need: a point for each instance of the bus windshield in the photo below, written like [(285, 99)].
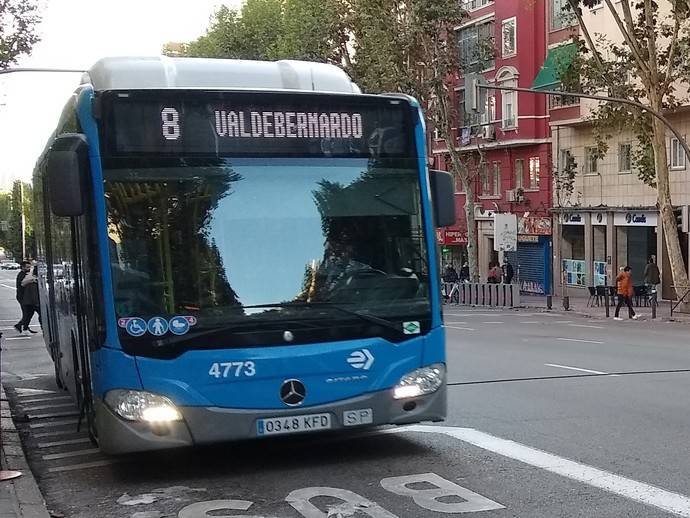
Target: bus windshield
[(212, 238)]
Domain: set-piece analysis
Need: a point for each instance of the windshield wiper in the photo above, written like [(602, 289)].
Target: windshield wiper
[(309, 305), (364, 316)]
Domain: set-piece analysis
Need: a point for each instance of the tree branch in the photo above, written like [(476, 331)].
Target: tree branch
[(673, 48), (629, 37), (588, 37)]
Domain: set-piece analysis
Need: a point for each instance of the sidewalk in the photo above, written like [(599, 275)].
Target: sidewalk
[(578, 305), (19, 498)]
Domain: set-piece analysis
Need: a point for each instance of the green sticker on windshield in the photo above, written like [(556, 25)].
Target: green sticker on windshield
[(411, 328)]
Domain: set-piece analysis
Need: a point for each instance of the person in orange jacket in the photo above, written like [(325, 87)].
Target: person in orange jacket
[(625, 293)]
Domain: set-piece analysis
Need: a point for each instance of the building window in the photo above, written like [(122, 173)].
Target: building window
[(489, 114), (591, 161), (509, 107), (519, 173), (473, 5), (509, 37), (534, 167), (677, 154), (476, 46), (561, 15), (596, 4), (497, 178), (624, 158), (485, 179), (559, 101)]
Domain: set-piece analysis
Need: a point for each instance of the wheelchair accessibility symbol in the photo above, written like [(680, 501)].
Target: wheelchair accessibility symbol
[(136, 326)]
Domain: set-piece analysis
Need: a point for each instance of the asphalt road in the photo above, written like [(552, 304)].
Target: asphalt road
[(549, 416)]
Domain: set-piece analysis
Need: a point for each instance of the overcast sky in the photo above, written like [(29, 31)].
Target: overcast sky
[(75, 34)]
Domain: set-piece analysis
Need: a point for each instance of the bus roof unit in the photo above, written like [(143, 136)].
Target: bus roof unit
[(133, 73)]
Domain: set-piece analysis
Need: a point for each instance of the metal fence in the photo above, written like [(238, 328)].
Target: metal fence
[(471, 294)]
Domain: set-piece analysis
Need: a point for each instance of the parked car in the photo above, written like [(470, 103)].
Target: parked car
[(9, 266)]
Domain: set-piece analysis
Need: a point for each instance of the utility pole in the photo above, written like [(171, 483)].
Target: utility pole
[(23, 219)]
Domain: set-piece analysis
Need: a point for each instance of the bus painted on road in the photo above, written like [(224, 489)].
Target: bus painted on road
[(233, 249)]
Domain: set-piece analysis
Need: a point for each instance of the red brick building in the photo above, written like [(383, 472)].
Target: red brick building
[(513, 137)]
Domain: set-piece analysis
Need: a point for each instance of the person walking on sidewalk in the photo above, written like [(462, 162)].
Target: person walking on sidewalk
[(652, 276), (625, 293), (27, 296)]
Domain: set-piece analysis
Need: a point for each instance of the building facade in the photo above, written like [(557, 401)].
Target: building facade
[(610, 219), (509, 145)]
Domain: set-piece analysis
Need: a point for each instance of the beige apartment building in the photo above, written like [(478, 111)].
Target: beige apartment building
[(610, 220)]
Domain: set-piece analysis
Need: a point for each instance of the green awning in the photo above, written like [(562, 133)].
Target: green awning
[(556, 59)]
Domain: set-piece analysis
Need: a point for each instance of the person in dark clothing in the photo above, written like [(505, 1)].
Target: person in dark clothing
[(465, 273), (450, 275), (508, 272), (27, 296)]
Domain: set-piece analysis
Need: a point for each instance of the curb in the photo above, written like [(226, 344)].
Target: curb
[(24, 493)]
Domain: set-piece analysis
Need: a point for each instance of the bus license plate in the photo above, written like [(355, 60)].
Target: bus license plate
[(293, 424)]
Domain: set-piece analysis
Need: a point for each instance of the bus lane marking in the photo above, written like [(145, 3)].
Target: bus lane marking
[(436, 494), (579, 369), (85, 465), (674, 503)]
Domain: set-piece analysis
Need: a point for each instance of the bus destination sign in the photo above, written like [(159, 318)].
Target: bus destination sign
[(255, 124)]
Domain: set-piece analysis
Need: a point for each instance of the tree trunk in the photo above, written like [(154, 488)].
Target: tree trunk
[(668, 219), (472, 260)]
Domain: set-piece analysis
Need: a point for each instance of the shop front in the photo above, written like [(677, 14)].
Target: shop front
[(453, 244), (533, 256)]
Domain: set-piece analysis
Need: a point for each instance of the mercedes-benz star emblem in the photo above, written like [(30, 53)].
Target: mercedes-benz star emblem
[(293, 392)]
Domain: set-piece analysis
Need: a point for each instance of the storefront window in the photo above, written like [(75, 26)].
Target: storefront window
[(573, 254)]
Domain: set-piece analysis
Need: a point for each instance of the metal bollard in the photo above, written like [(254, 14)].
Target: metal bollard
[(653, 304), (566, 303), (549, 302)]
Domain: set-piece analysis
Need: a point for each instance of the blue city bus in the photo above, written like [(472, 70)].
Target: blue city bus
[(233, 249)]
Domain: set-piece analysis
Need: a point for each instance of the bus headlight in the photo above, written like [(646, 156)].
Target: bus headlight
[(420, 382), (137, 405)]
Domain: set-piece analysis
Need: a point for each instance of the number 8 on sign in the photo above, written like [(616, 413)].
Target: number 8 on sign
[(171, 123)]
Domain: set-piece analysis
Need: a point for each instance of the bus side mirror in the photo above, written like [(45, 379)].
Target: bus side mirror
[(442, 198), (67, 171)]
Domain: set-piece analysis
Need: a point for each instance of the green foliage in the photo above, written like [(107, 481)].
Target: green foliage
[(18, 21), (276, 29)]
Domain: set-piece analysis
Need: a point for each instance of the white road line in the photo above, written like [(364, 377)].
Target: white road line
[(562, 321), (529, 322), (584, 325), (460, 328), (81, 440), (492, 322), (578, 340), (575, 369), (668, 501), (21, 337), (85, 465), (61, 422), (10, 287), (455, 323), (70, 454)]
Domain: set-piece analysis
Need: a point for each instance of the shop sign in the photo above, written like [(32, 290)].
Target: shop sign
[(451, 237), (600, 218), (534, 225), (505, 232), (573, 218), (524, 238), (635, 219)]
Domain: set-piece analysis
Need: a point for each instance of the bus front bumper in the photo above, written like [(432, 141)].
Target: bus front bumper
[(206, 425)]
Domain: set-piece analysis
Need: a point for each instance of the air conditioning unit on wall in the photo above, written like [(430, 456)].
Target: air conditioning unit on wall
[(489, 132)]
